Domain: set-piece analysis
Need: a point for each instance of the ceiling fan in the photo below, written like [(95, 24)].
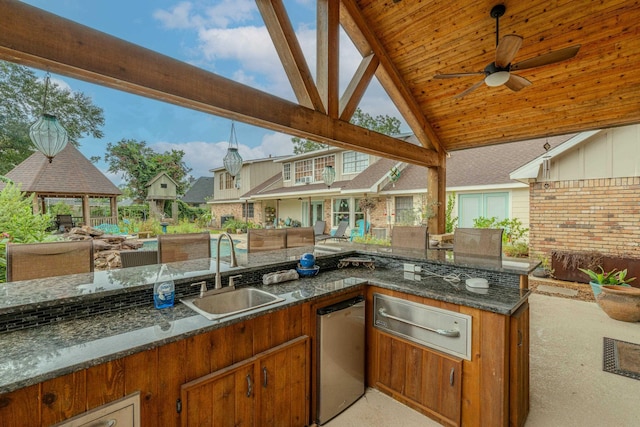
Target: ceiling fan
[(499, 72)]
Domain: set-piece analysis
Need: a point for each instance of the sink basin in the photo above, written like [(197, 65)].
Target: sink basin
[(224, 304)]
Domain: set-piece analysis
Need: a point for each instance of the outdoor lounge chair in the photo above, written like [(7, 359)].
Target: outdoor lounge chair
[(138, 258), (340, 234), (486, 242), (268, 239), (409, 237), (359, 230), (26, 261), (318, 228), (183, 247)]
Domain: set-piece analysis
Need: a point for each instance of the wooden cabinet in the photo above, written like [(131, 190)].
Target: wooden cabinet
[(519, 366), (271, 388), (492, 388), (419, 377)]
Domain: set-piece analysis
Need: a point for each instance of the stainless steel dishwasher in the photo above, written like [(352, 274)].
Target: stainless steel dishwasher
[(341, 358)]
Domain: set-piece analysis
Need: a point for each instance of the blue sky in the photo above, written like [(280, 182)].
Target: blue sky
[(226, 37)]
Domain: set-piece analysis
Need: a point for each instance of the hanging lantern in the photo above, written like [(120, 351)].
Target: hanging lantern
[(328, 175), (546, 162), (232, 160), (47, 134)]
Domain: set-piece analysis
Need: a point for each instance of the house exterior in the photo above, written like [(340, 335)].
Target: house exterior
[(589, 200), (297, 195)]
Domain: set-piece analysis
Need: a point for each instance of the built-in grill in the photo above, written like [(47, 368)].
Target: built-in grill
[(443, 330)]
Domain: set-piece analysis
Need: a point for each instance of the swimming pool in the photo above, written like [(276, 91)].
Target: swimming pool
[(152, 245)]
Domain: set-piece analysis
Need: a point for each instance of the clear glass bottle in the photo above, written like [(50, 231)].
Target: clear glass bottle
[(164, 291)]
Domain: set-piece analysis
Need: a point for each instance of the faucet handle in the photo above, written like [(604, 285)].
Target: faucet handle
[(231, 279), (203, 287)]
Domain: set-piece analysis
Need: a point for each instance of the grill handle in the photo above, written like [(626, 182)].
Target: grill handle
[(453, 333)]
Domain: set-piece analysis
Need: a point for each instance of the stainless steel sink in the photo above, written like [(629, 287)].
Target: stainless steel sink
[(216, 306)]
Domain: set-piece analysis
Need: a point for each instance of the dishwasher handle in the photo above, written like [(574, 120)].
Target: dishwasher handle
[(340, 305), (453, 333)]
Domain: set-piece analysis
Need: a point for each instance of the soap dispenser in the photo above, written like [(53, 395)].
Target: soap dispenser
[(164, 291)]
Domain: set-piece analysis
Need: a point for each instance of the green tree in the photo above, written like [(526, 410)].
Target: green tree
[(382, 124), (139, 164), (21, 97), (18, 223)]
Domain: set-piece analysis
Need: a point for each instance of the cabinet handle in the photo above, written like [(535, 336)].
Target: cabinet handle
[(249, 386), (519, 338), (452, 376), (264, 374)]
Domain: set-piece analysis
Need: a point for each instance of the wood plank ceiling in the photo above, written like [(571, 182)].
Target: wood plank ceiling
[(598, 88), (405, 43)]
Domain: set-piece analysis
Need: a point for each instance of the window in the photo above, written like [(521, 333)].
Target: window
[(226, 181), (247, 210), (404, 210), (286, 172), (310, 170), (487, 205), (354, 162), (340, 210), (163, 185)]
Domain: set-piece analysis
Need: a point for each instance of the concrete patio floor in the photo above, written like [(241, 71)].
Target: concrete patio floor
[(568, 386)]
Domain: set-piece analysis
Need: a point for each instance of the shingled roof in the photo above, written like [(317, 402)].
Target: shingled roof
[(69, 174), (200, 191)]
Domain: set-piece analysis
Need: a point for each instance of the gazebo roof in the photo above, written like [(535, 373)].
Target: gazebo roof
[(69, 174)]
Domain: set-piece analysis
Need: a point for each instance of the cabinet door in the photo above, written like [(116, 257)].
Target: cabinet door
[(283, 383), (420, 377), (222, 398), (519, 366)]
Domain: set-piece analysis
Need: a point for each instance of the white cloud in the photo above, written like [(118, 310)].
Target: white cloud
[(187, 15)]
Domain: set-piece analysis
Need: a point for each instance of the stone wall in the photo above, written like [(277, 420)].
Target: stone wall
[(601, 215)]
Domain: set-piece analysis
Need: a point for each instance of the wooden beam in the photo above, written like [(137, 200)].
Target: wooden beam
[(365, 40), (328, 53), (84, 53), (357, 87), (286, 43)]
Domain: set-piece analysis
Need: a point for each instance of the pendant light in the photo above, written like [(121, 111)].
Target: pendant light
[(546, 162), (328, 175), (394, 175), (47, 134), (232, 160)]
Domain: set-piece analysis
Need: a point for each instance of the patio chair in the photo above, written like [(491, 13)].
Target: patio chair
[(318, 228), (485, 242), (138, 258), (26, 261), (268, 239), (300, 236), (183, 247), (64, 222), (359, 230), (340, 233), (409, 237)]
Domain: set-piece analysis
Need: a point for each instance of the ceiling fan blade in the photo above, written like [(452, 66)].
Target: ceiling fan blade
[(516, 82), (469, 90), (507, 49), (453, 75), (547, 58)]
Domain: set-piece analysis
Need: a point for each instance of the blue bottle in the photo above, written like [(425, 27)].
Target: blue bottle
[(164, 291)]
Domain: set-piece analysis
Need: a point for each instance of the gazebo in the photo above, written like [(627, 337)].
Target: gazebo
[(69, 175)]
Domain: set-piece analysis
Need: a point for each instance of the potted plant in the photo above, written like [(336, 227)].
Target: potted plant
[(613, 277)]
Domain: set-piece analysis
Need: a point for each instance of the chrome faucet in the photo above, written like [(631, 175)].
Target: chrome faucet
[(234, 262)]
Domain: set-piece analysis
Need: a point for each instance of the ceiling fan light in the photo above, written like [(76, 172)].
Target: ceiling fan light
[(497, 79)]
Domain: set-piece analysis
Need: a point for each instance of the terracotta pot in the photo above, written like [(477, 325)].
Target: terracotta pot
[(620, 303)]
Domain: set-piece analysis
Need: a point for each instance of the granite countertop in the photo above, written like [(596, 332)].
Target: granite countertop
[(33, 355)]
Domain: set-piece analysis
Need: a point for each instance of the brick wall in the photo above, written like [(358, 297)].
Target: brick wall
[(600, 215), (235, 209)]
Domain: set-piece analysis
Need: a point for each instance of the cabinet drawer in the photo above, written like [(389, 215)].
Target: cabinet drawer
[(443, 330)]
